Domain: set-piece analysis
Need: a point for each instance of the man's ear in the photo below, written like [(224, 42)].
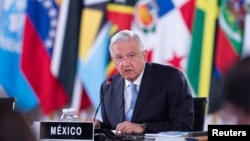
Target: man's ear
[(111, 58), (145, 55)]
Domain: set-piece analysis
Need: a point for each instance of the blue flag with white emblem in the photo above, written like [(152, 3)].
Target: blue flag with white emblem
[(12, 80)]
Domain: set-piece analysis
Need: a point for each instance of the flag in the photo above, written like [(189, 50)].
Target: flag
[(228, 46), (64, 59), (165, 26), (37, 48), (93, 52), (229, 35), (120, 15), (12, 80), (200, 60)]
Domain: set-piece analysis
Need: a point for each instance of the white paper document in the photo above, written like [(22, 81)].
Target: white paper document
[(169, 134)]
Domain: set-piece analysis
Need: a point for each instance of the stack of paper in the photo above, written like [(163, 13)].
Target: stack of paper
[(170, 136)]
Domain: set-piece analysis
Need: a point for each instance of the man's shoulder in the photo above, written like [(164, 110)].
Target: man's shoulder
[(164, 71), (163, 67), (115, 78)]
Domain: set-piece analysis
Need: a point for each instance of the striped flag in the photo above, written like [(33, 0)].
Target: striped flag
[(93, 52), (201, 53), (64, 59), (120, 16), (38, 41)]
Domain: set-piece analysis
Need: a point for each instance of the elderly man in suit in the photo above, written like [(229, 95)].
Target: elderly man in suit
[(163, 100)]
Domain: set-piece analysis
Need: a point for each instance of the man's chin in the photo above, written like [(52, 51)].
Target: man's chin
[(129, 78)]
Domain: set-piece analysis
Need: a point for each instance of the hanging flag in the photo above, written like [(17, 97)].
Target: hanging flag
[(228, 46), (165, 26), (229, 35), (12, 80), (64, 59), (38, 41), (120, 15), (201, 53), (93, 53)]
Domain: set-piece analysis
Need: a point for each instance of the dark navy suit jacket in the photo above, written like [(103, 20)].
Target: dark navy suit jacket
[(164, 100)]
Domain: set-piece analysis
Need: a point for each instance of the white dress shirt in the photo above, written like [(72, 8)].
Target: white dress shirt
[(127, 91)]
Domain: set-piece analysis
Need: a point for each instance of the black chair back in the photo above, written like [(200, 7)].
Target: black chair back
[(199, 112), (7, 102)]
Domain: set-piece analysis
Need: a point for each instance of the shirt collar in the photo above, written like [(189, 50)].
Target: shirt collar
[(137, 81)]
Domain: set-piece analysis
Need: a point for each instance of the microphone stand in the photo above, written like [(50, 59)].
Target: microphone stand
[(109, 81)]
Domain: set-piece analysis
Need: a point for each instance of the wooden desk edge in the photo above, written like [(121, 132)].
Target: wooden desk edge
[(200, 138)]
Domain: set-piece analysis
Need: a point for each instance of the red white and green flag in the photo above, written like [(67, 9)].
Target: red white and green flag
[(228, 46), (229, 35)]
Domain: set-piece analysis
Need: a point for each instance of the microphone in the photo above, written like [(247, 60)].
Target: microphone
[(109, 82)]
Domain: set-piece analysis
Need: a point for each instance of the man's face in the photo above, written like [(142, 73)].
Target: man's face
[(129, 59)]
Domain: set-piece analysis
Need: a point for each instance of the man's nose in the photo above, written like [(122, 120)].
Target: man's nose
[(125, 61)]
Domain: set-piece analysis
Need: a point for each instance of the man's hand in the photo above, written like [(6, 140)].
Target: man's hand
[(129, 128), (97, 123)]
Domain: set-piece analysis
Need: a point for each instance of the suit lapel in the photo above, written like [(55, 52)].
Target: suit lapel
[(145, 87), (119, 98)]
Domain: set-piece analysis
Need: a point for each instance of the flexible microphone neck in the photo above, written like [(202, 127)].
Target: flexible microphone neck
[(102, 98), (97, 111)]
